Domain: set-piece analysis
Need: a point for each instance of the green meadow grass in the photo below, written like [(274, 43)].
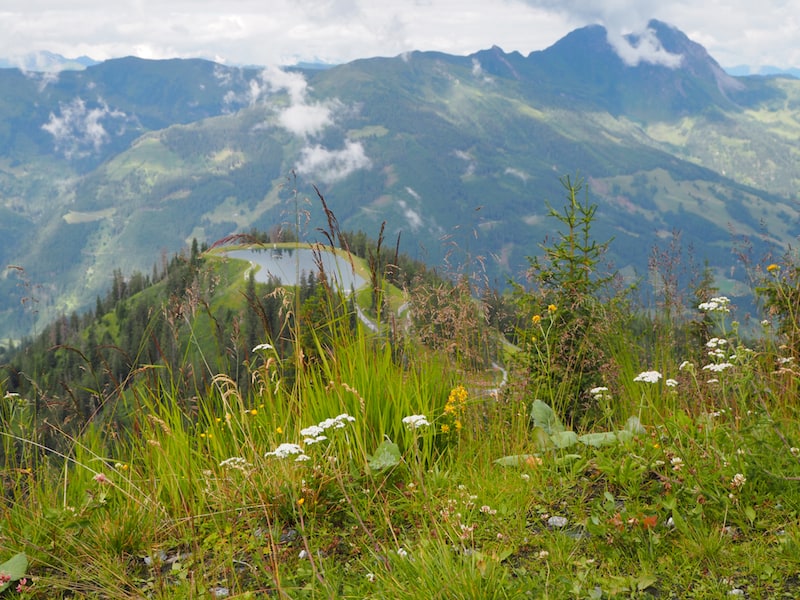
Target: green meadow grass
[(383, 469)]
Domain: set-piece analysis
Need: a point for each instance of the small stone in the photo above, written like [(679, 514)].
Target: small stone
[(557, 522)]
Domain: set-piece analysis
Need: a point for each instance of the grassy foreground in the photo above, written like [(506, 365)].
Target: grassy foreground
[(224, 496), (376, 468)]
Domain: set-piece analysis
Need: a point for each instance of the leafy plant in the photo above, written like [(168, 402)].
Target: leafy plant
[(568, 306)]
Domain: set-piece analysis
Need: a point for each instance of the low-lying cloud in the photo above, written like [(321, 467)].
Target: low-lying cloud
[(78, 130), (621, 18), (330, 166), (286, 93)]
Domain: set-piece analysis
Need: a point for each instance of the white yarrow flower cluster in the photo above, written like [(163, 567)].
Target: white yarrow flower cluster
[(336, 422), (285, 450), (600, 393), (416, 421), (236, 462), (312, 434), (718, 367), (648, 377), (718, 304), (671, 383)]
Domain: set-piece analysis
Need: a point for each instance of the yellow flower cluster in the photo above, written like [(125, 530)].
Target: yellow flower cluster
[(454, 408), (773, 267), (551, 309)]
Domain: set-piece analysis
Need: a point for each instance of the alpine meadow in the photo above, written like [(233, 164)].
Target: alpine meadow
[(429, 326)]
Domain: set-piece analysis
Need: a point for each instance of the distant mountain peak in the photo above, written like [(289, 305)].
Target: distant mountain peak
[(46, 62), (649, 46)]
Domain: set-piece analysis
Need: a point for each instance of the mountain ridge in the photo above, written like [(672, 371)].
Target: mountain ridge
[(111, 166)]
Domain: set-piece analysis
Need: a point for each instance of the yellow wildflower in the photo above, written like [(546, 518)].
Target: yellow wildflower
[(279, 430), (457, 425), (552, 308), (458, 395), (445, 428), (254, 411), (301, 501), (773, 267), (536, 319)]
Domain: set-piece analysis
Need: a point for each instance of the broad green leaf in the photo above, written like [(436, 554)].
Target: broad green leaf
[(624, 435), (541, 439), (545, 417), (567, 458), (645, 581), (750, 513), (386, 456), (634, 426), (604, 438), (564, 439), (15, 568), (518, 460)]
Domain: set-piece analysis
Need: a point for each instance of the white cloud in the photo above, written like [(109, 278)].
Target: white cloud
[(620, 18), (521, 175), (644, 48), (466, 157), (78, 130), (412, 216), (308, 119), (330, 166), (284, 31)]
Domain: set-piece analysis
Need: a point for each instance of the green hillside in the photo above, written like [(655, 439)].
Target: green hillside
[(459, 155)]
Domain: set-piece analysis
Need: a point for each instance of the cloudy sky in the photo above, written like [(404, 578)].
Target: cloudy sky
[(286, 31)]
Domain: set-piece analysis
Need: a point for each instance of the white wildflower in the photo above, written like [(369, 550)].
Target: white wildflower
[(370, 577), (337, 422), (717, 367), (236, 462), (677, 463), (302, 458), (402, 552), (285, 450), (312, 431), (600, 393), (303, 554), (416, 421), (263, 347), (766, 323), (785, 360), (738, 481), (648, 377), (686, 366), (671, 382), (718, 304), (315, 440)]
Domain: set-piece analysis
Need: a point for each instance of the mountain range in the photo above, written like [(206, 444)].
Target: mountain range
[(117, 165)]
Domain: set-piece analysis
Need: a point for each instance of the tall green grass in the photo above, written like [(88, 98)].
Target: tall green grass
[(203, 496)]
